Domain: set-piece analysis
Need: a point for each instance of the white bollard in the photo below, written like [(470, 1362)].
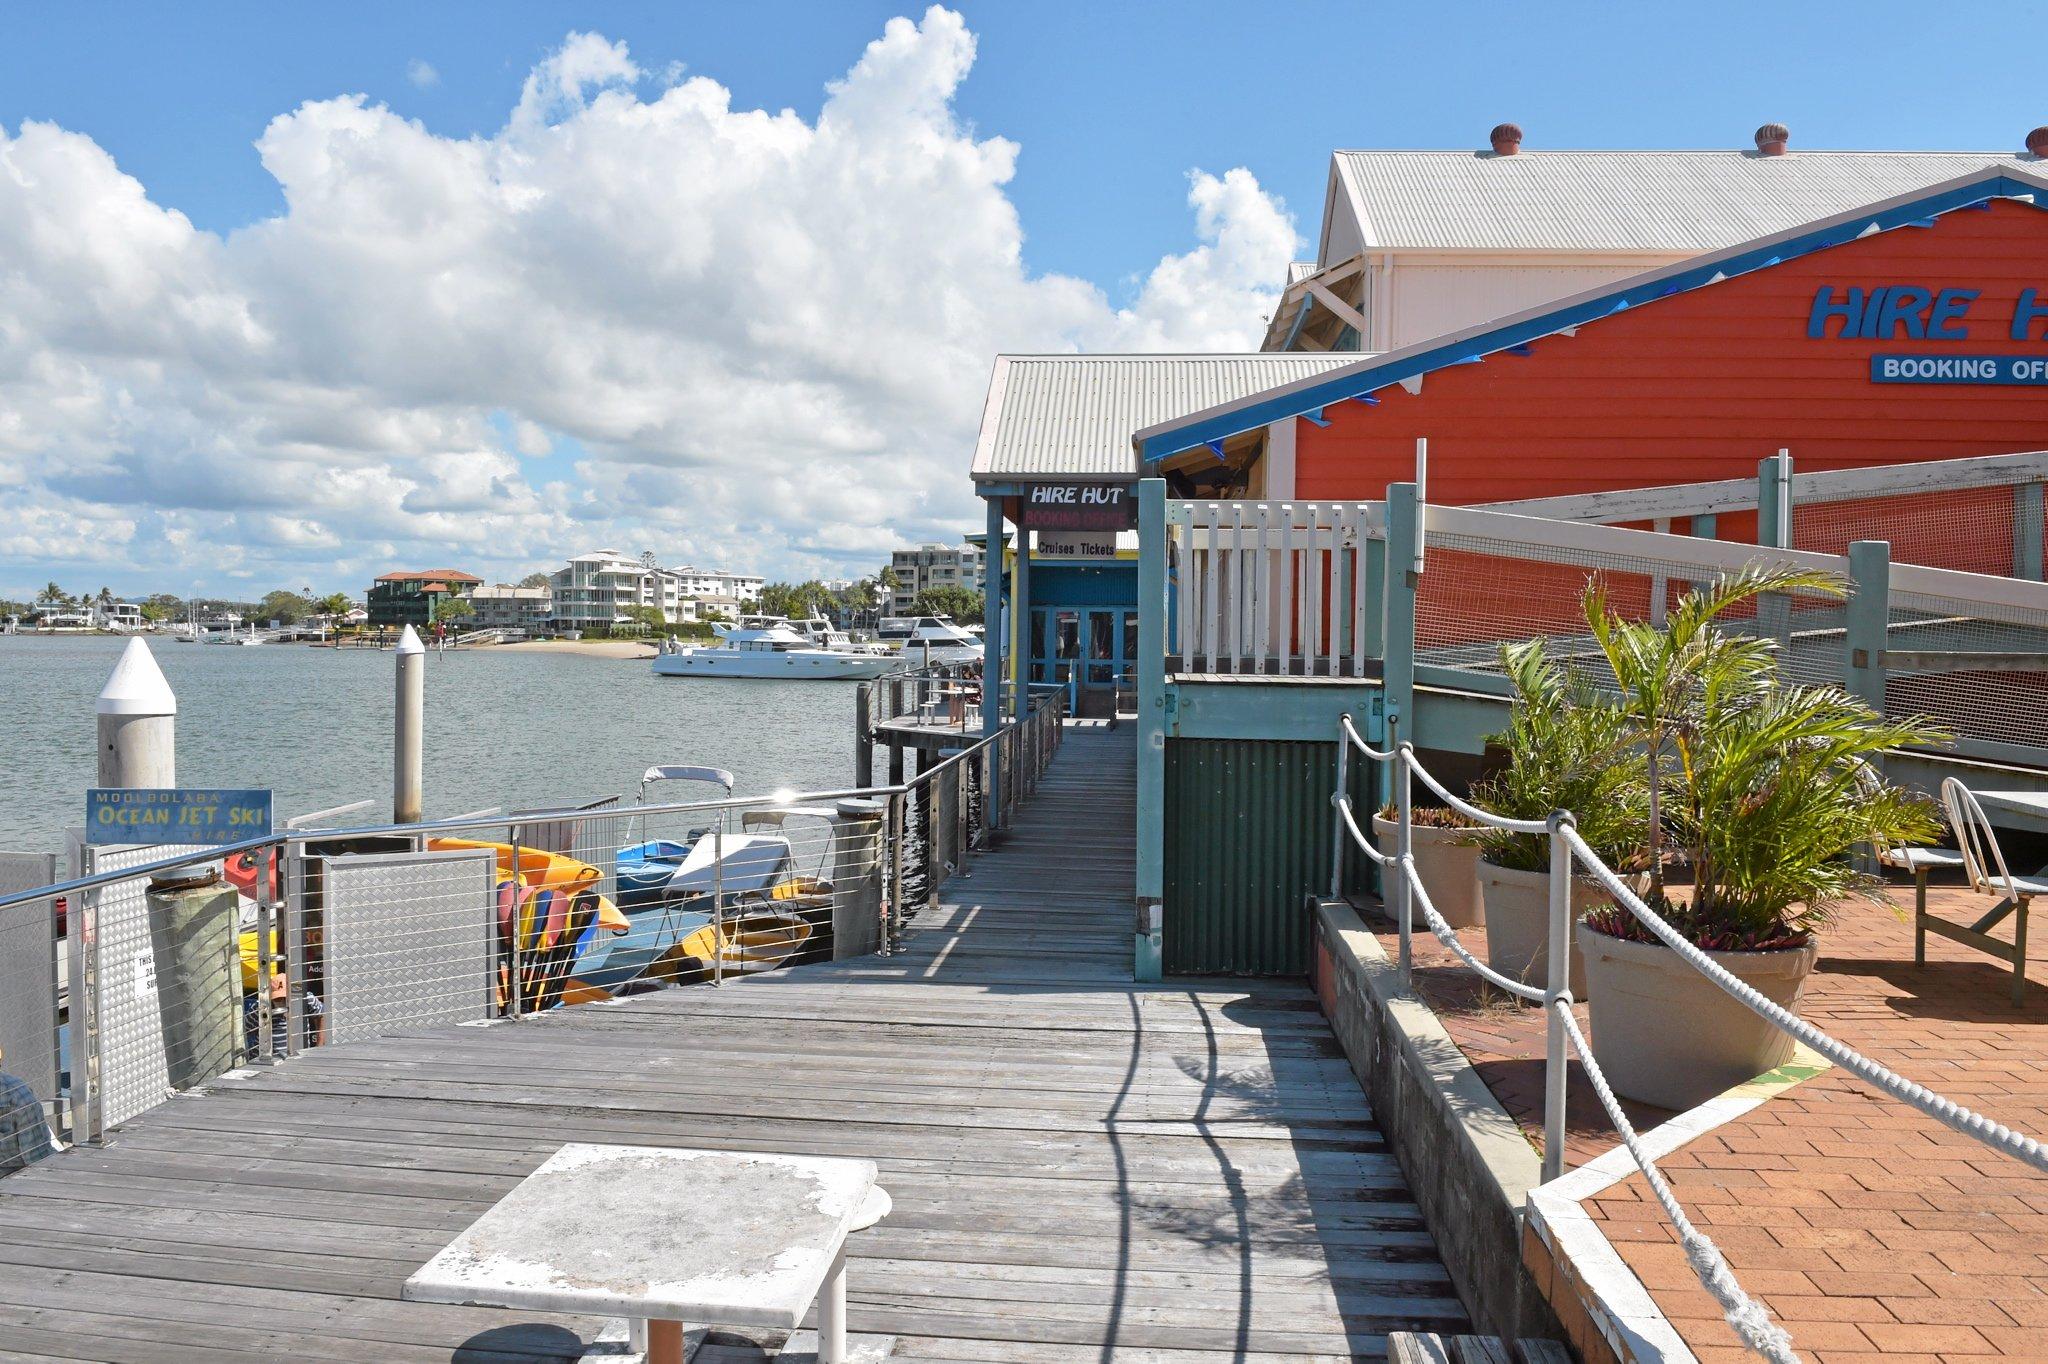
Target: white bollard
[(138, 723), (408, 752)]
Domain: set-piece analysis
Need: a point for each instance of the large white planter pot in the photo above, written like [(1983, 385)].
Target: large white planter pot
[(1518, 923), (1666, 1035), (1449, 871)]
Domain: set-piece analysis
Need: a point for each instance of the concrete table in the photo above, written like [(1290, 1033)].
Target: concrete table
[(717, 1237), (2023, 809)]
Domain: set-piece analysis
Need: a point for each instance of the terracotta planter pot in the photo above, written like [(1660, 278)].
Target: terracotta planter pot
[(1518, 923), (1449, 871), (1666, 1035)]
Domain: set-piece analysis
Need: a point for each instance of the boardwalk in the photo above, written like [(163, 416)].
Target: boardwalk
[(1082, 1169)]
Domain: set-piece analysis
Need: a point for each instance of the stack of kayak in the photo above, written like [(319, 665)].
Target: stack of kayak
[(548, 907)]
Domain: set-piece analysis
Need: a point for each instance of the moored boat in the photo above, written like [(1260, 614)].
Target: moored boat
[(773, 651)]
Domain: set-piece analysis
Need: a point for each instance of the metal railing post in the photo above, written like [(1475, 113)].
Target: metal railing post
[(513, 1001), (1337, 817), (266, 917), (1403, 892), (78, 928), (892, 928), (718, 901), (1559, 987), (294, 949)]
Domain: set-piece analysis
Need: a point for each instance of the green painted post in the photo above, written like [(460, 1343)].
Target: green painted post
[(1774, 500), (1706, 525), (1020, 629), (992, 652), (1148, 957), (1868, 619), (1375, 590), (2026, 531), (1404, 534)]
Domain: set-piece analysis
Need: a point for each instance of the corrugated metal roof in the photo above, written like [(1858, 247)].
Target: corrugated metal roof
[(1072, 416), (1680, 202), (1299, 270), (1913, 208)]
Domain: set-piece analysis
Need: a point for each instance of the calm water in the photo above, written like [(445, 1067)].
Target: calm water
[(510, 729)]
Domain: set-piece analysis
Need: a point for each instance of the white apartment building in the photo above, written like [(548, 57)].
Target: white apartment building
[(717, 584), (930, 566), (596, 589)]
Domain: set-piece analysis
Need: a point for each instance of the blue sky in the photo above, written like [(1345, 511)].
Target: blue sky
[(1112, 102), (533, 293)]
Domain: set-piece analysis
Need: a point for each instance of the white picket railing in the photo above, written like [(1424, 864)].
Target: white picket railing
[(1279, 588)]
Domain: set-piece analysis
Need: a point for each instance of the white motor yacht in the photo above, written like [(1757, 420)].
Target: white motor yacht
[(771, 650), (931, 639)]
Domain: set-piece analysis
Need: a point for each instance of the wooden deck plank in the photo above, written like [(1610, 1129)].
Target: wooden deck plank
[(1081, 1166)]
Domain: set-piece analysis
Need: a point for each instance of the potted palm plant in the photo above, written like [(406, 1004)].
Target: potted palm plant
[(1566, 747), (1761, 791), (1446, 858)]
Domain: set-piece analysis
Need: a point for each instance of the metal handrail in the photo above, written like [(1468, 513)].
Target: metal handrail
[(282, 837)]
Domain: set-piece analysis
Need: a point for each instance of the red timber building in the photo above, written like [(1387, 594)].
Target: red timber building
[(1877, 378)]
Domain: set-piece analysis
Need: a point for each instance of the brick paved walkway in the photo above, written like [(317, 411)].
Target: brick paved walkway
[(1869, 1231)]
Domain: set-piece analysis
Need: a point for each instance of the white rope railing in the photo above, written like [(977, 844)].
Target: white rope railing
[(2025, 1149), (1569, 851), (1745, 1315)]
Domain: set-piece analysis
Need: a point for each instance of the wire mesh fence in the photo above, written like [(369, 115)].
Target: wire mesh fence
[(207, 959), (1965, 528), (1979, 669), (1483, 592)]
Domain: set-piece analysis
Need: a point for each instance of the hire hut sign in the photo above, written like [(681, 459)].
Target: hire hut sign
[(182, 815), (1913, 312), (1078, 506)]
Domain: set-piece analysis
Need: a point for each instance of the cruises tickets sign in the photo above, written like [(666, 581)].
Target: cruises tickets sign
[(182, 815), (1078, 506), (1912, 312)]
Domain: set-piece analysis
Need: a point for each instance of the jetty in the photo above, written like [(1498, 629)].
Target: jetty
[(1082, 1167)]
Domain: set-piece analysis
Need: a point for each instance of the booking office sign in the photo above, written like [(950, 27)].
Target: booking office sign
[(198, 817), (1912, 312)]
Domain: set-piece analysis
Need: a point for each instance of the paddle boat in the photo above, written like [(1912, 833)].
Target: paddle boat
[(669, 888)]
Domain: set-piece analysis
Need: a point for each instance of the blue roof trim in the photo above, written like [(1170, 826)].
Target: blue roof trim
[(1360, 383)]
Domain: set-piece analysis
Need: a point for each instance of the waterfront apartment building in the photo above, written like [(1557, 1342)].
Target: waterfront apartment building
[(408, 596), (715, 585), (930, 566), (511, 608), (597, 589)]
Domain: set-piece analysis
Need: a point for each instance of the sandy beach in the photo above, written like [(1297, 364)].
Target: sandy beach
[(595, 648)]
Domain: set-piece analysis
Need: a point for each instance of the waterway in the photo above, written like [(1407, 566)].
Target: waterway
[(509, 729)]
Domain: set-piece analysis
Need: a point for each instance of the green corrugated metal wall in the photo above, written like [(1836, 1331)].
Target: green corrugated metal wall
[(1248, 830)]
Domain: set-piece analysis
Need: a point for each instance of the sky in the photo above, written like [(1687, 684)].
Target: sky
[(292, 295)]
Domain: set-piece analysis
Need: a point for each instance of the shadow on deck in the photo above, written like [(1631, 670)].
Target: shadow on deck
[(1082, 1168)]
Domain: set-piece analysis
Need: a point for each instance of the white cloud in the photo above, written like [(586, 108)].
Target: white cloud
[(422, 74), (634, 315)]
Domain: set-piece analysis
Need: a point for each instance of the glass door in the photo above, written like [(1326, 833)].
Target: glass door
[(1090, 650)]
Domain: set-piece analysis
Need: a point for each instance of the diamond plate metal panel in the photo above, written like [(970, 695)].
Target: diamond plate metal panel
[(407, 941), (28, 976)]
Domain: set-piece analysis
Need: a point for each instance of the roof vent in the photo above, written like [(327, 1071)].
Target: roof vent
[(2037, 142), (1771, 139), (1506, 139)]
